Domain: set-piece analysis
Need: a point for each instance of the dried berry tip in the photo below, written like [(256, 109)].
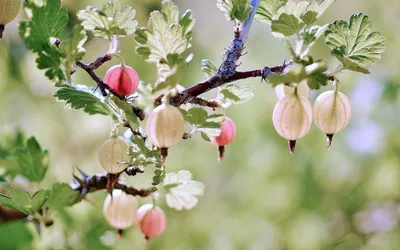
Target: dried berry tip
[(120, 233), (2, 27), (221, 150), (164, 154), (329, 138), (292, 146)]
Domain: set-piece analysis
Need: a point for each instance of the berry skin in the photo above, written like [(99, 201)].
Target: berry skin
[(292, 118), (151, 221), (332, 113), (112, 152), (165, 126), (283, 90), (120, 209), (124, 80), (8, 10), (228, 133)]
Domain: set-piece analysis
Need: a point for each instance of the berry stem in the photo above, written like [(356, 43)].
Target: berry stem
[(121, 59)]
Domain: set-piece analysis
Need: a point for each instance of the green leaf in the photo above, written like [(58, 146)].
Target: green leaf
[(143, 154), (235, 9), (311, 34), (309, 17), (296, 73), (33, 161), (46, 22), (21, 200), (202, 122), (208, 68), (168, 77), (181, 190), (164, 34), (159, 175), (72, 50), (125, 111), (268, 9), (62, 195), (233, 94), (164, 41), (286, 25), (111, 20), (354, 44), (82, 97)]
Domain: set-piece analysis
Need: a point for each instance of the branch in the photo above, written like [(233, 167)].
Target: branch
[(98, 182), (190, 94)]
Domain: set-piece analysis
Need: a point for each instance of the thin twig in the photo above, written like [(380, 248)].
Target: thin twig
[(99, 182)]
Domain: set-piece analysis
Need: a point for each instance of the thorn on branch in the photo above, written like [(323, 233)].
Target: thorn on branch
[(133, 170)]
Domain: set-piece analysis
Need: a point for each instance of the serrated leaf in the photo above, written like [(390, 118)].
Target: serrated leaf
[(46, 22), (82, 97), (164, 34), (268, 9), (202, 122), (33, 161), (62, 195), (163, 42), (181, 190), (126, 111), (233, 94), (286, 25), (311, 34), (354, 44), (309, 17), (21, 200), (143, 154), (208, 68), (111, 20), (159, 175), (235, 9)]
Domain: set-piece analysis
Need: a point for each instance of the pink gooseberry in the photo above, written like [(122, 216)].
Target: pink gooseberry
[(228, 133), (150, 220), (124, 80)]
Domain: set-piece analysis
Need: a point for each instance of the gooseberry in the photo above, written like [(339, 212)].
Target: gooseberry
[(165, 127), (228, 133), (124, 80), (120, 209), (332, 113), (292, 118), (151, 220), (113, 155), (8, 11)]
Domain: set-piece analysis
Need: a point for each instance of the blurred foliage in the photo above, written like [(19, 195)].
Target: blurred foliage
[(260, 197)]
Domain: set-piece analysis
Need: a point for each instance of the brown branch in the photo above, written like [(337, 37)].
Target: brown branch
[(99, 182), (190, 94)]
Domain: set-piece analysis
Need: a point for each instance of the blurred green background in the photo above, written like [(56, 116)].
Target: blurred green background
[(260, 197)]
